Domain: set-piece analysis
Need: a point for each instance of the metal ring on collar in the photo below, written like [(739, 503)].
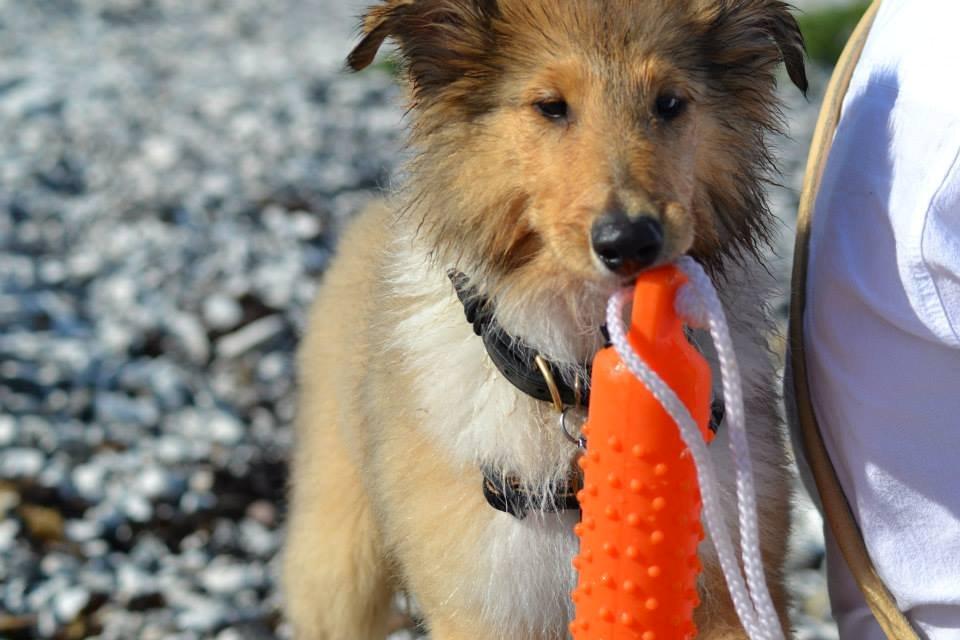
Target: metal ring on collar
[(579, 440)]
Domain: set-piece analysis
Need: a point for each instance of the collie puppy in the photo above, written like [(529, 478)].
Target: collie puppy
[(559, 147)]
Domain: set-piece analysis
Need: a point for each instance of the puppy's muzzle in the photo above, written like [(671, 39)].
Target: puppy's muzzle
[(626, 245)]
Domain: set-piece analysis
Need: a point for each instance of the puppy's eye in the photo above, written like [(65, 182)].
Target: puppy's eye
[(552, 109), (669, 107)]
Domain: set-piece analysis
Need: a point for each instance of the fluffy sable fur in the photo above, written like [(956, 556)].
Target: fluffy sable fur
[(400, 405)]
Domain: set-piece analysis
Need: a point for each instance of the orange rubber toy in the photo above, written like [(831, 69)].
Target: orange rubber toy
[(641, 526)]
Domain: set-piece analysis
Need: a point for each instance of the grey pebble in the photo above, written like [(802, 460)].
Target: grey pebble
[(88, 479), (221, 312), (9, 529), (202, 614), (68, 604), (229, 577), (190, 336), (83, 530), (21, 462), (8, 430), (249, 337)]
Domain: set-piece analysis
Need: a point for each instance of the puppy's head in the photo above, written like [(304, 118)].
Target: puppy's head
[(564, 146)]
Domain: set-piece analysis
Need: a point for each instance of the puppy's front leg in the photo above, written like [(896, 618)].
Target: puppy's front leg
[(336, 579)]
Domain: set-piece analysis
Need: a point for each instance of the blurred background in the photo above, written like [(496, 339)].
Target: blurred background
[(173, 175)]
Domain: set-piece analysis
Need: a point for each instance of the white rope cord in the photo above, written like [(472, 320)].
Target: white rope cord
[(699, 303)]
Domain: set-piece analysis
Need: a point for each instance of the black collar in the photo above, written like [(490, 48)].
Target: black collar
[(507, 494), (518, 364), (515, 360)]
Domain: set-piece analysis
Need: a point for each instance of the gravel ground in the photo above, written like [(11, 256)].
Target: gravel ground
[(172, 177)]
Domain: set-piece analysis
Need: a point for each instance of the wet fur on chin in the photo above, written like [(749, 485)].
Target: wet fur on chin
[(400, 406)]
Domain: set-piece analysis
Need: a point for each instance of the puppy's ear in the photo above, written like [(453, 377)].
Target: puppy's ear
[(753, 36), (380, 23), (785, 31), (447, 48)]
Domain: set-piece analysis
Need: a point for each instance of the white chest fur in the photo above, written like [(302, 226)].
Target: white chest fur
[(468, 407)]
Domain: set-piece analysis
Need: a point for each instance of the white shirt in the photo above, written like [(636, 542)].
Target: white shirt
[(883, 316)]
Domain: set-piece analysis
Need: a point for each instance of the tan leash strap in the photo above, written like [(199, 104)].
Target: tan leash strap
[(835, 506)]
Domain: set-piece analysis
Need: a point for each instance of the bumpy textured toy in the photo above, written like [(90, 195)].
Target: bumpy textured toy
[(640, 529)]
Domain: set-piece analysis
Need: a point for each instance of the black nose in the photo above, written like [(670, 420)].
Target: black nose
[(627, 245)]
